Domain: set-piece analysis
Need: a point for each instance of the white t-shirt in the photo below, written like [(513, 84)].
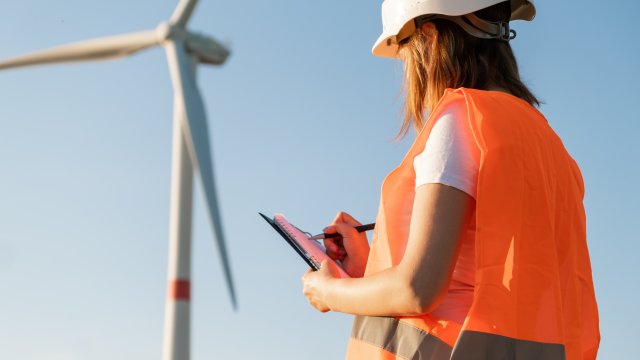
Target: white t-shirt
[(452, 157)]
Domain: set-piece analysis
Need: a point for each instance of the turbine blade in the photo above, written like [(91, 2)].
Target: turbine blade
[(101, 48), (187, 94), (183, 12)]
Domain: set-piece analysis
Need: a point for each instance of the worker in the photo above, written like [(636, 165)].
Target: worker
[(479, 249)]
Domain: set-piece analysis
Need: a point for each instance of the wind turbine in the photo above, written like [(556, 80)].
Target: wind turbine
[(191, 150)]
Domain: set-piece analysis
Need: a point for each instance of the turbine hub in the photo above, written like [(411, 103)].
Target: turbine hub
[(164, 31)]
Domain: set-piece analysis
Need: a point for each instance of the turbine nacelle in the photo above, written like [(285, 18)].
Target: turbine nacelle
[(206, 49), (203, 47)]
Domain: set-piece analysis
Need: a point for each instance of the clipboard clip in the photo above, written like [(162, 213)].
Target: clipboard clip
[(308, 234)]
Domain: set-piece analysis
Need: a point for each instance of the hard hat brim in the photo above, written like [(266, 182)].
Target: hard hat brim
[(385, 47)]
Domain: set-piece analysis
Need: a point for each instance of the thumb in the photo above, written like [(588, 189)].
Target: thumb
[(324, 267), (329, 267)]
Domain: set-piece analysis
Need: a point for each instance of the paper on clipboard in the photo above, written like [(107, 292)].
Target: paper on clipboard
[(311, 251)]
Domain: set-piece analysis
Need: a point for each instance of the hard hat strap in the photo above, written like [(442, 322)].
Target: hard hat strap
[(487, 29), (475, 26)]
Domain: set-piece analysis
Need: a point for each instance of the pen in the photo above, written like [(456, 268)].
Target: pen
[(360, 228)]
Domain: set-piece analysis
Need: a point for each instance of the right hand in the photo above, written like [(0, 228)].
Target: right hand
[(351, 248)]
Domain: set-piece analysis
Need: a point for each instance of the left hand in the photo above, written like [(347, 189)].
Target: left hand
[(316, 283)]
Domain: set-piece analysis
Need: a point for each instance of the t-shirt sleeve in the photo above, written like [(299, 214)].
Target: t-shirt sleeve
[(451, 155)]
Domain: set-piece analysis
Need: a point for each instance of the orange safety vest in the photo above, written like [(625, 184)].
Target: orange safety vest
[(533, 295)]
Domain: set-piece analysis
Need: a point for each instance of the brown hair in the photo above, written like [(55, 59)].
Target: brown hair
[(451, 58)]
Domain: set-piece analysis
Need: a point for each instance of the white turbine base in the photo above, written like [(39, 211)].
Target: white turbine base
[(177, 314), (177, 336)]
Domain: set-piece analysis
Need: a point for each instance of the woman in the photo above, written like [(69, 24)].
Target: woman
[(479, 250)]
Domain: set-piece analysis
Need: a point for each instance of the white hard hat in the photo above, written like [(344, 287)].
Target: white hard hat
[(398, 19)]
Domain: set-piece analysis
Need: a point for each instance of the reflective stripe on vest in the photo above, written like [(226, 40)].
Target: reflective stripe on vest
[(534, 295), (400, 339), (479, 345), (404, 341)]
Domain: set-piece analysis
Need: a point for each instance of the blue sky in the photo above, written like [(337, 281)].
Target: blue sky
[(302, 120)]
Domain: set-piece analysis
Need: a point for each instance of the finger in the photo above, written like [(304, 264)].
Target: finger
[(333, 244), (335, 248), (352, 240), (326, 267), (330, 245), (341, 228), (350, 220), (331, 229), (338, 217), (304, 276), (337, 255), (334, 254), (345, 217), (347, 231), (340, 247)]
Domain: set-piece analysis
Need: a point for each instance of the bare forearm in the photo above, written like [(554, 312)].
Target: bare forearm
[(382, 294), (420, 281)]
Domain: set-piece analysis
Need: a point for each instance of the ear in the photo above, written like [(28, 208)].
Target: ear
[(428, 28)]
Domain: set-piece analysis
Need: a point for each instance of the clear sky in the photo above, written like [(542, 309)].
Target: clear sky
[(302, 120)]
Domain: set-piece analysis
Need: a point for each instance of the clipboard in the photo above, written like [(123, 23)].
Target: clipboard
[(309, 250)]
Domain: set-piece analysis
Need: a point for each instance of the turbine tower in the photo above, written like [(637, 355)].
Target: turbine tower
[(191, 149)]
